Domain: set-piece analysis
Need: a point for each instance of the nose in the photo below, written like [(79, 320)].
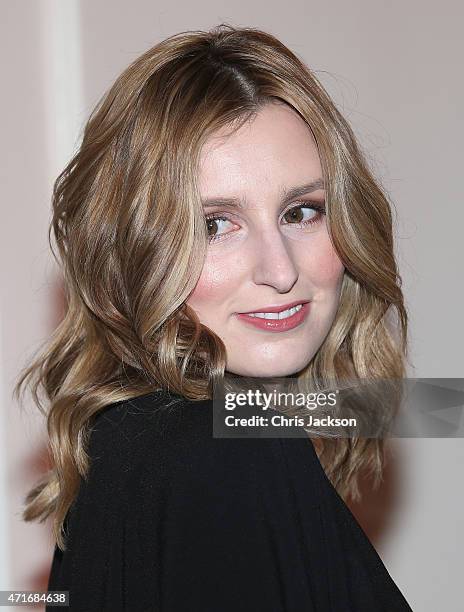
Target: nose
[(274, 262)]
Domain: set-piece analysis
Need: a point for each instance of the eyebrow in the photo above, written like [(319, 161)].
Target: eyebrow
[(288, 195)]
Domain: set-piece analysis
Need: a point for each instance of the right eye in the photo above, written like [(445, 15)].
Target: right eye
[(217, 226)]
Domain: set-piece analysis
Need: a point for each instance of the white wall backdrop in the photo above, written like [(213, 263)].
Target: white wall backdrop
[(395, 71)]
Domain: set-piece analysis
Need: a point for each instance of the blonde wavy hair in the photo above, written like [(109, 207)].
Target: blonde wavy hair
[(131, 238)]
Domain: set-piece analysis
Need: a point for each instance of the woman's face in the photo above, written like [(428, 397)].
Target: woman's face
[(269, 246)]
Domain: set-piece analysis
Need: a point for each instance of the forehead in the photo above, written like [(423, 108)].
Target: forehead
[(272, 150)]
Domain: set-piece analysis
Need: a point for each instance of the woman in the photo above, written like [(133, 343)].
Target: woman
[(216, 185)]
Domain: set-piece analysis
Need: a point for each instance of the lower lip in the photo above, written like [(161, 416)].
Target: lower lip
[(277, 325)]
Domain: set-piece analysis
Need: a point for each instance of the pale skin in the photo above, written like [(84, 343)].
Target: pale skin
[(269, 251)]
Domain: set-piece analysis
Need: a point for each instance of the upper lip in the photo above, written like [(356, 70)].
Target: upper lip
[(276, 308)]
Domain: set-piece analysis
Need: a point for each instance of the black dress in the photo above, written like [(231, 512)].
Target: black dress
[(172, 519)]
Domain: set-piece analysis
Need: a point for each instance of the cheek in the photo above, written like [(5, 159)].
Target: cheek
[(203, 291), (324, 265), (215, 283)]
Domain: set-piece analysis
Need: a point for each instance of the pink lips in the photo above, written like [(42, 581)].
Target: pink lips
[(277, 325)]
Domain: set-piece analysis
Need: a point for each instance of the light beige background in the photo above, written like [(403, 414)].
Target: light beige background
[(395, 69)]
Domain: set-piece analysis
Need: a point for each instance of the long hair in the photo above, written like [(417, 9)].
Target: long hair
[(130, 235)]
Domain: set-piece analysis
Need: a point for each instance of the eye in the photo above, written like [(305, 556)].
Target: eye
[(304, 214), (217, 226)]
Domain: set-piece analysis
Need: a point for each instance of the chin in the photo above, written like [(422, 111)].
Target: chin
[(263, 370)]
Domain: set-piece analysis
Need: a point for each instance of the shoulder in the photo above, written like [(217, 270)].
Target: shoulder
[(164, 441), (154, 423), (162, 437), (134, 447)]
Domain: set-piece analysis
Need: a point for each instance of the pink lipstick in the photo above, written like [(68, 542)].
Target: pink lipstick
[(277, 318)]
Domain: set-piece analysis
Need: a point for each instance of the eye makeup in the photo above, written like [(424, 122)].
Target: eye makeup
[(318, 208)]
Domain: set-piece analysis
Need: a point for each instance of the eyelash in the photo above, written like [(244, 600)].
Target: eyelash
[(319, 208)]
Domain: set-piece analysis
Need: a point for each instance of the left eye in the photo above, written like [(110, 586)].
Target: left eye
[(301, 214)]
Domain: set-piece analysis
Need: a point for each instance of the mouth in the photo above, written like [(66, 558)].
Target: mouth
[(277, 318)]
